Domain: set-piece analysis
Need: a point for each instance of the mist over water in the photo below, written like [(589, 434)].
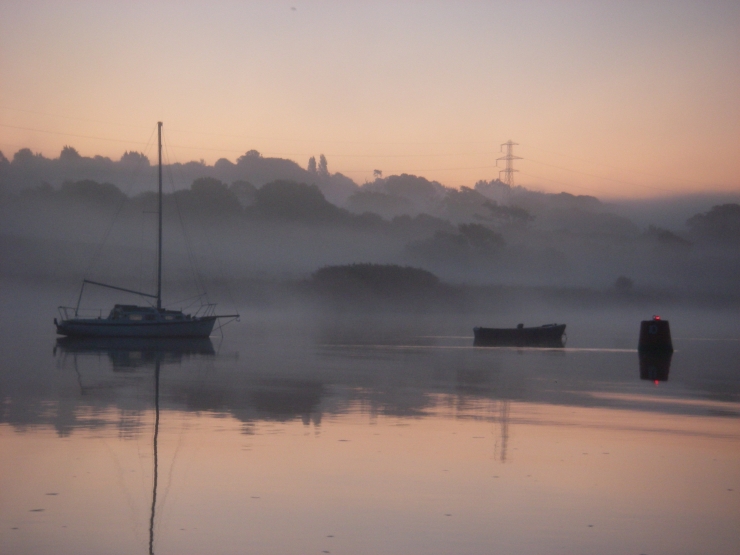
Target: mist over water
[(304, 428), (348, 410), (285, 230)]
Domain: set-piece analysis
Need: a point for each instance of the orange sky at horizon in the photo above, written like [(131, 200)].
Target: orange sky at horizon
[(604, 99)]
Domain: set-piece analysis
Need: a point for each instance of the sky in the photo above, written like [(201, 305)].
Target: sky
[(607, 98)]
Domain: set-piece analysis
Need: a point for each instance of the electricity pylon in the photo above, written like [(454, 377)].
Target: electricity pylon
[(509, 171)]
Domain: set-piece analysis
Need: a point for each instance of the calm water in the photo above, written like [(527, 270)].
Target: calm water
[(300, 434)]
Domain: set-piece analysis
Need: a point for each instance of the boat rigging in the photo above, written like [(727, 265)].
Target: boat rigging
[(126, 320)]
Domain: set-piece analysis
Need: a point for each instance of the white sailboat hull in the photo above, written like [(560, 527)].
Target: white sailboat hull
[(84, 327)]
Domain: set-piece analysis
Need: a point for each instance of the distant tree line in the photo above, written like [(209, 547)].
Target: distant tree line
[(483, 235), (31, 170), (370, 284), (491, 230)]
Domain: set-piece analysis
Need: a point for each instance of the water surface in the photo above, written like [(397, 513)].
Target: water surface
[(298, 433)]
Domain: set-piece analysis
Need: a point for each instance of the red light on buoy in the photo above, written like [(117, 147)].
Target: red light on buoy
[(656, 317), (656, 382)]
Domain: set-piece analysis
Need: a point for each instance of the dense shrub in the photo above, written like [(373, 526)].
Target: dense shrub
[(387, 280)]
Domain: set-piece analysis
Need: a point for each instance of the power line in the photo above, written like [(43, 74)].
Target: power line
[(509, 171), (429, 169), (248, 137), (509, 157), (526, 145), (561, 183), (599, 177), (71, 117), (72, 134), (221, 149)]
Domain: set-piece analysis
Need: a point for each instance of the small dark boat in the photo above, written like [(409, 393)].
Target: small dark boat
[(549, 335)]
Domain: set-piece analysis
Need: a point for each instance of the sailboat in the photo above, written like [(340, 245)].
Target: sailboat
[(126, 320)]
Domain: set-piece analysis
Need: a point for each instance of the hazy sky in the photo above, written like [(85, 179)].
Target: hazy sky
[(619, 98)]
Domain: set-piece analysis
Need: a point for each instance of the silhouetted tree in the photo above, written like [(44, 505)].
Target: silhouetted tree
[(482, 239), (4, 168), (506, 214), (379, 203), (208, 199), (665, 238), (92, 191), (579, 221), (288, 200), (494, 189), (249, 154), (208, 186), (223, 164), (462, 205), (311, 165), (24, 156), (69, 154), (472, 242), (419, 226), (385, 280), (323, 166), (415, 188), (244, 191), (721, 224), (133, 158)]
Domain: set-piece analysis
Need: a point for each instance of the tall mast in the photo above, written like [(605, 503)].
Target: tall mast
[(159, 211)]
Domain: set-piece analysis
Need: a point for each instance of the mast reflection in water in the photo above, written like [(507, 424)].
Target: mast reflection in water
[(312, 445), (129, 354)]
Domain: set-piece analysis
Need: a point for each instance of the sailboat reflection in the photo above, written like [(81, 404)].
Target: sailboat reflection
[(128, 354), (156, 461), (655, 366), (503, 419)]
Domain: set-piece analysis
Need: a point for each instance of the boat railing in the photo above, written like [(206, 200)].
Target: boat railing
[(69, 312), (208, 309)]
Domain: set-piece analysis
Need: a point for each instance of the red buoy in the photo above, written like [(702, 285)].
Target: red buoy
[(655, 335)]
